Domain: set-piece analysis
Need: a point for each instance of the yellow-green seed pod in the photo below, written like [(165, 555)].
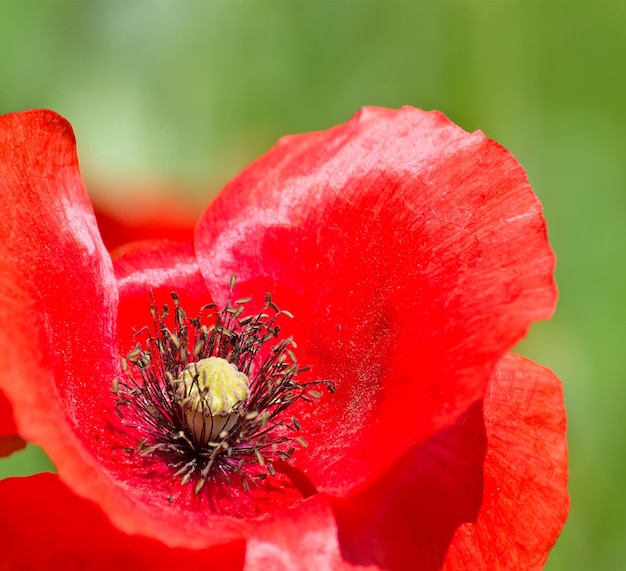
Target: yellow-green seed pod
[(211, 392)]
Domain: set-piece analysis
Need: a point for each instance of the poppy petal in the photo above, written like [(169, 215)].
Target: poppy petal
[(7, 423), (149, 270), (525, 500), (489, 492), (9, 441), (407, 520), (305, 538), (395, 240), (74, 533), (59, 334), (57, 329)]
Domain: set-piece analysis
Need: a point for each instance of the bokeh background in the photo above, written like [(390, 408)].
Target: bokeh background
[(173, 97)]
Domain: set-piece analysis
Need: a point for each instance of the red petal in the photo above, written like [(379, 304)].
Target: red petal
[(304, 538), (7, 423), (525, 500), (44, 525), (406, 521), (396, 240), (60, 298), (155, 268), (58, 333), (9, 441), (502, 466)]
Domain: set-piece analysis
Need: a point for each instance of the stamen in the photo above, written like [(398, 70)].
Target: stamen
[(209, 399)]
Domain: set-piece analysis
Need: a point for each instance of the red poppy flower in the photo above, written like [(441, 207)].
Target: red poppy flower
[(412, 254)]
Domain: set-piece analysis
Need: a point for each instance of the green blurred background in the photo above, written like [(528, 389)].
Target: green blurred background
[(185, 93)]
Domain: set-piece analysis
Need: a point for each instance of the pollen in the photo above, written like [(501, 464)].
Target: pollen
[(211, 392)]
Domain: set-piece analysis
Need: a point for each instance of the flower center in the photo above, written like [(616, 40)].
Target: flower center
[(211, 393), (208, 396)]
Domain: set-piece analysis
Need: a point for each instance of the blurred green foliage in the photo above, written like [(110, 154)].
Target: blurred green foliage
[(189, 92)]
